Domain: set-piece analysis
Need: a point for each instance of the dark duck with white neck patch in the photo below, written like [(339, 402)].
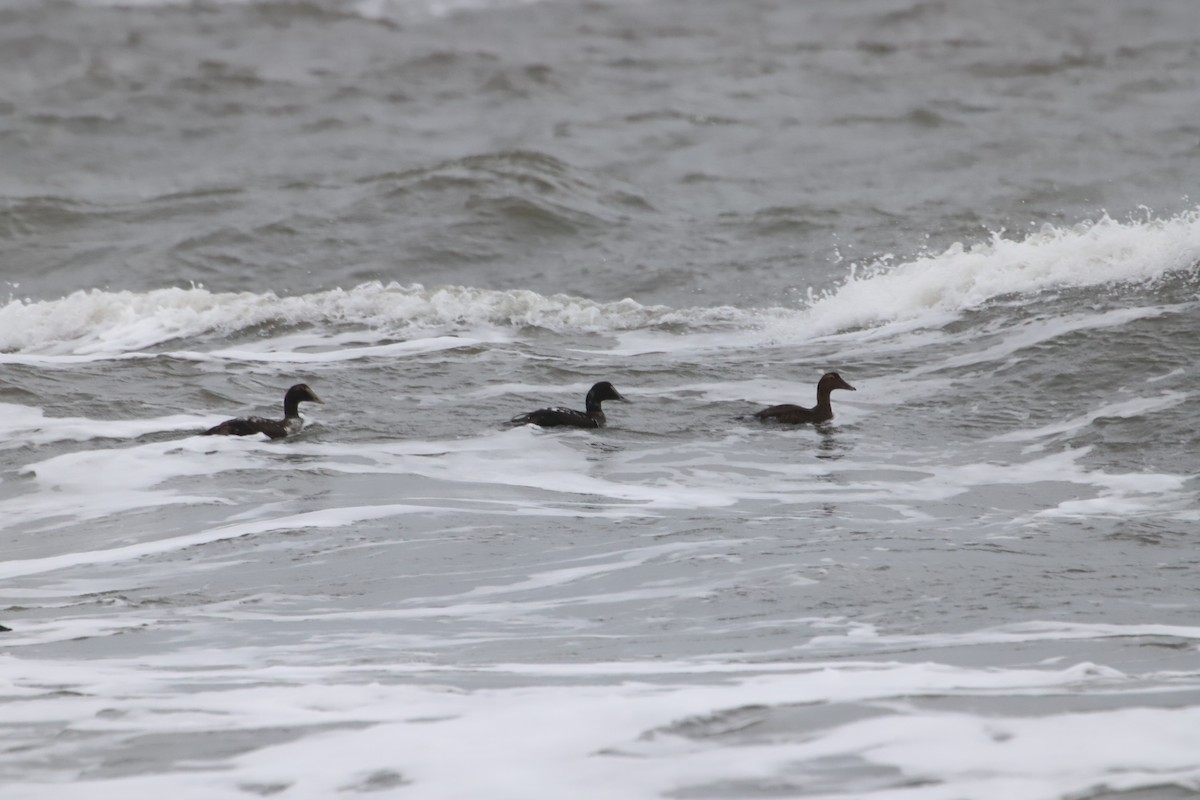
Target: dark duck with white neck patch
[(274, 428), (593, 417), (798, 415)]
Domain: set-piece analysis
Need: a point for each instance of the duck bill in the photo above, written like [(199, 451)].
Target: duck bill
[(315, 399)]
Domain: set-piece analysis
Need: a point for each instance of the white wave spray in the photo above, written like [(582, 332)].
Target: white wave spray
[(924, 291)]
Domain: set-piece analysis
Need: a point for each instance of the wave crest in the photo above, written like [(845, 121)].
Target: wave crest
[(962, 278), (97, 322), (926, 291)]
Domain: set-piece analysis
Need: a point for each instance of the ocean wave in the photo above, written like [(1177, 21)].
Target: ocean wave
[(965, 277), (925, 291), (97, 322), (391, 10)]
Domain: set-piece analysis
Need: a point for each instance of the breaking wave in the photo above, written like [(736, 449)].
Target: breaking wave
[(926, 290)]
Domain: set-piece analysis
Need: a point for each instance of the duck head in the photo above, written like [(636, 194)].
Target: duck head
[(605, 391), (830, 381), (300, 393)]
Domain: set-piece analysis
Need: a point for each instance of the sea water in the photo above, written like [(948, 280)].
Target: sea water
[(978, 581)]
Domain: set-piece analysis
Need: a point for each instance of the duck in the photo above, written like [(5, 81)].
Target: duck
[(797, 415), (274, 428), (593, 417)]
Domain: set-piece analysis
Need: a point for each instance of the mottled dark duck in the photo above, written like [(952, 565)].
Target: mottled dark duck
[(798, 415), (274, 428), (593, 417)]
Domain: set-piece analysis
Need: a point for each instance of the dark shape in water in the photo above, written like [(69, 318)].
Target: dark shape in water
[(798, 415), (593, 417), (274, 428)]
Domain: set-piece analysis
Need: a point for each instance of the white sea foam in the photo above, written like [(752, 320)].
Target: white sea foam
[(109, 323), (925, 291), (531, 459), (92, 484), (351, 731), (1134, 407), (1118, 494), (415, 9), (1014, 338), (330, 517), (865, 638), (369, 9), (966, 277), (21, 426), (565, 479), (640, 728)]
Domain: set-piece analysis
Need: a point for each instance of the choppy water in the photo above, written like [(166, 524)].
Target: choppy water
[(978, 582)]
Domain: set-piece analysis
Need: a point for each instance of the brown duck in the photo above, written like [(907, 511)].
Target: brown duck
[(796, 415)]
